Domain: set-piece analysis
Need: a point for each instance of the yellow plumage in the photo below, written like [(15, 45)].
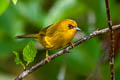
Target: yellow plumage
[(56, 35)]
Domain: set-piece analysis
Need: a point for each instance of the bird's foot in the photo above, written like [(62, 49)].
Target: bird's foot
[(72, 44), (47, 56)]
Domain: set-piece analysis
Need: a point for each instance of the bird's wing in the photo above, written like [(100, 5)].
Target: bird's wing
[(43, 31), (46, 34), (52, 29)]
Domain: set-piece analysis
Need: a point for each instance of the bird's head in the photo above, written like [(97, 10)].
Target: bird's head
[(69, 24)]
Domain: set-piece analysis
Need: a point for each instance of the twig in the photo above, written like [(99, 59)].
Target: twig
[(111, 53), (43, 62)]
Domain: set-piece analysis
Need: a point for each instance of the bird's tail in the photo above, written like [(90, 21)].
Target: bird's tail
[(28, 36)]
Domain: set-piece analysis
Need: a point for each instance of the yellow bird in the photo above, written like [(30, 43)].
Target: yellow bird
[(56, 35)]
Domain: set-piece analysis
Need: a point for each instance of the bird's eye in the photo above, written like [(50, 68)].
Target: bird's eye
[(70, 26)]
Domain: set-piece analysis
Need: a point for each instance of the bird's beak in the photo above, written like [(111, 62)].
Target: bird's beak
[(77, 28)]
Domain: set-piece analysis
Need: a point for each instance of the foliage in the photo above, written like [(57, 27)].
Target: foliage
[(17, 59), (29, 53), (14, 2), (3, 5)]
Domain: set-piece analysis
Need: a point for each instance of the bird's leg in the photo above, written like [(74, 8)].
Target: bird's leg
[(71, 44), (47, 56)]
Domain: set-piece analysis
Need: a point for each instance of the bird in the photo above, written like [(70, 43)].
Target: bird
[(55, 36)]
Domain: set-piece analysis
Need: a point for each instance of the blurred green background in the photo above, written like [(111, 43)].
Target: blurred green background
[(29, 16)]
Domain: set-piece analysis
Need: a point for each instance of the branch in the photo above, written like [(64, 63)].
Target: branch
[(43, 62), (111, 53)]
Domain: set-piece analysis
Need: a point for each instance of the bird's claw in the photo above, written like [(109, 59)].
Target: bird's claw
[(48, 58), (72, 44)]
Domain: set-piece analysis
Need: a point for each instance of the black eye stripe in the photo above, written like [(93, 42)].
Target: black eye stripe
[(70, 26)]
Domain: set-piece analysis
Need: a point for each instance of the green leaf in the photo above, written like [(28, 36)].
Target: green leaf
[(3, 5), (29, 52), (17, 59), (14, 1)]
